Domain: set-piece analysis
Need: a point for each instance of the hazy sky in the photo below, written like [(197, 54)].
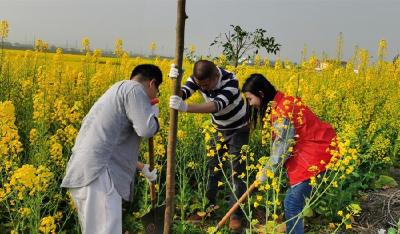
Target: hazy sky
[(294, 23)]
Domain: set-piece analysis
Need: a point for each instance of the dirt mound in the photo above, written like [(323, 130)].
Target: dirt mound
[(380, 209)]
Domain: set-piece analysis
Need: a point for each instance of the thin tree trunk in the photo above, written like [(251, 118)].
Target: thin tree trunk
[(170, 183)]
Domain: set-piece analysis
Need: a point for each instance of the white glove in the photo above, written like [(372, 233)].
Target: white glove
[(176, 102), (156, 110), (263, 176), (173, 72), (151, 176)]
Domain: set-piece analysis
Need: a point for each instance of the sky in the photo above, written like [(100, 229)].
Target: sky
[(295, 24)]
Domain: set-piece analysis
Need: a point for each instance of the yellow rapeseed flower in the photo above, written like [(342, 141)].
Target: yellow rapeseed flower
[(340, 213), (4, 29), (47, 225), (256, 204)]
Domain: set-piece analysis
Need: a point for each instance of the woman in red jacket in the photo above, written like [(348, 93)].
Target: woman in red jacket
[(300, 142)]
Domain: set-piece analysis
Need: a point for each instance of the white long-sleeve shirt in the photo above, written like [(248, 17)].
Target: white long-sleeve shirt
[(110, 137)]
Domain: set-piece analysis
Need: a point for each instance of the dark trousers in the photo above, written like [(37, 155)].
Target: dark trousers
[(234, 140)]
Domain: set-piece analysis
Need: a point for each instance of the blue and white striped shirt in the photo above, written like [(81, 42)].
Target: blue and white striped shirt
[(231, 109)]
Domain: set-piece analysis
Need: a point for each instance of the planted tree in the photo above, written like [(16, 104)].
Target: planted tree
[(238, 42)]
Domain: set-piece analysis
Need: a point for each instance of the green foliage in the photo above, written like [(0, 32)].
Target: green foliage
[(239, 42)]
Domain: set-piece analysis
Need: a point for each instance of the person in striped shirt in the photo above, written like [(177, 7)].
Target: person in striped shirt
[(223, 100)]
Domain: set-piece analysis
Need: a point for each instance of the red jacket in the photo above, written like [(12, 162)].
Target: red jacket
[(312, 136)]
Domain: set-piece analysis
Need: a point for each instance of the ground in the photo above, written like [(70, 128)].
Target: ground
[(381, 209)]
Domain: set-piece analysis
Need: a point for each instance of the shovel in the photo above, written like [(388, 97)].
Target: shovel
[(154, 220)]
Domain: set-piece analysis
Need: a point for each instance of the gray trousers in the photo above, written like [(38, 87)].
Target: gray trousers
[(234, 140)]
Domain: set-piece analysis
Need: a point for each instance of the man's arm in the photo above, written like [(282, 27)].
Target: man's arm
[(190, 86), (140, 113), (139, 165), (228, 94), (176, 102), (209, 107), (188, 89)]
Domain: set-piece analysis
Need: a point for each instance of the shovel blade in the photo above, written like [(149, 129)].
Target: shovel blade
[(153, 221)]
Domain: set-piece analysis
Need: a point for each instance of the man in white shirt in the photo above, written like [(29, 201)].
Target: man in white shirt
[(104, 159)]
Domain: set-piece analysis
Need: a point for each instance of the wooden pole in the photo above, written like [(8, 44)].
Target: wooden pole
[(170, 184), (236, 206), (151, 162)]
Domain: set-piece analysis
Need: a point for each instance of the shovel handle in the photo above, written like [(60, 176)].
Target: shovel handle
[(153, 102), (236, 206), (151, 162)]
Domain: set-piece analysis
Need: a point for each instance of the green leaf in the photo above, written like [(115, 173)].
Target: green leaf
[(384, 182), (308, 212), (392, 231)]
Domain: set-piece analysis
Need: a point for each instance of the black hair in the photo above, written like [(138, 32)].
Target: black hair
[(259, 86), (204, 69), (148, 72)]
